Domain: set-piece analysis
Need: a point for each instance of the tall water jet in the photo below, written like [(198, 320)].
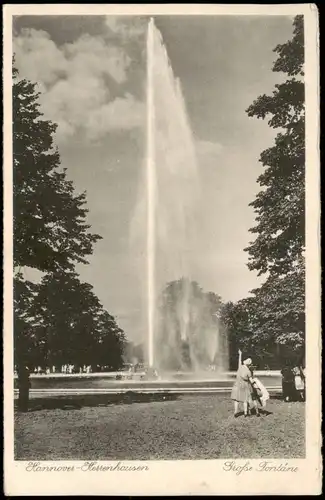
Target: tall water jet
[(177, 324)]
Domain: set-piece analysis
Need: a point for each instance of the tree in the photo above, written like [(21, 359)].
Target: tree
[(64, 312), (71, 325), (278, 319), (50, 229), (237, 321), (110, 342), (279, 207), (278, 249), (268, 326), (25, 341)]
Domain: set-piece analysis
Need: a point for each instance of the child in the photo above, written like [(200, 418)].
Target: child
[(261, 391)]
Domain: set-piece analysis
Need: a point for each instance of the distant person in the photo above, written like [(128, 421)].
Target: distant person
[(288, 383), (242, 391), (299, 382), (303, 375)]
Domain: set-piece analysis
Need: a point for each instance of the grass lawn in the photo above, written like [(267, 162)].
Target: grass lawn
[(183, 427)]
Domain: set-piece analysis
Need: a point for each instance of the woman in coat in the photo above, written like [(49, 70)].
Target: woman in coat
[(242, 389)]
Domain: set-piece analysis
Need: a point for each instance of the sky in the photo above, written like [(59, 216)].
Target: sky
[(91, 74)]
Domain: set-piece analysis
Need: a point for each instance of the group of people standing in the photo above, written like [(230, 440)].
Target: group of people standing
[(293, 383), (249, 390)]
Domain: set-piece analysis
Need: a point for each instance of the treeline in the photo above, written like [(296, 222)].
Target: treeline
[(197, 329), (58, 320)]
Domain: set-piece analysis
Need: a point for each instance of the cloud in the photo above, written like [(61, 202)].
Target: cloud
[(91, 55), (79, 83), (130, 28), (121, 114), (38, 58)]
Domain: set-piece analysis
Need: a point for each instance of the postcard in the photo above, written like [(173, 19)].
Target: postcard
[(161, 250)]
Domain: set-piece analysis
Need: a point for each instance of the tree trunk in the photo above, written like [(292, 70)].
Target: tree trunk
[(23, 386)]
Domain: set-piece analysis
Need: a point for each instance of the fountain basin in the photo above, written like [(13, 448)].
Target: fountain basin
[(107, 383)]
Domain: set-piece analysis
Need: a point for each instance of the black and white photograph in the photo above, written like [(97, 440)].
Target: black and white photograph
[(161, 245)]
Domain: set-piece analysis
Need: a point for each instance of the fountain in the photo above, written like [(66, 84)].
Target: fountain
[(172, 196), (180, 319)]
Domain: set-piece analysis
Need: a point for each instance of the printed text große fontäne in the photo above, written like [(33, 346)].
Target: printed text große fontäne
[(263, 466)]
